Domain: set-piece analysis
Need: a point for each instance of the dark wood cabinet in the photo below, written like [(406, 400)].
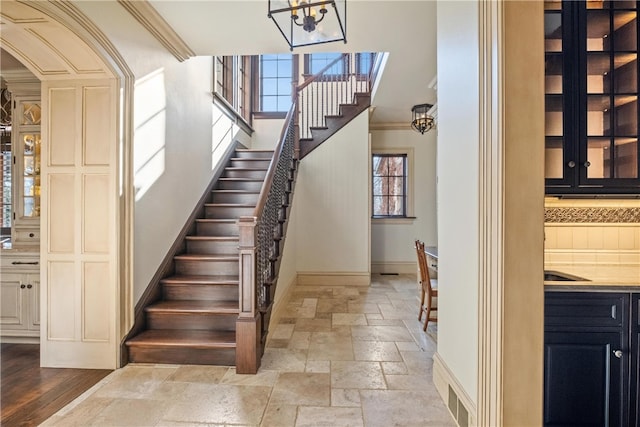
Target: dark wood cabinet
[(591, 97), (588, 359), (635, 361)]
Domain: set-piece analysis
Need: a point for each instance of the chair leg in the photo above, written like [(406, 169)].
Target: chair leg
[(428, 310), (422, 294), (428, 315)]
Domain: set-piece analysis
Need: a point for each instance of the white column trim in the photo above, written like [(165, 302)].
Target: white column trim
[(491, 220)]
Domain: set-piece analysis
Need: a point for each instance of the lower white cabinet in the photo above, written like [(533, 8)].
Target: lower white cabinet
[(20, 296)]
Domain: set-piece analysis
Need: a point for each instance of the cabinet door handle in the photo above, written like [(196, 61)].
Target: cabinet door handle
[(618, 354), (24, 263), (22, 286), (29, 286), (587, 164), (571, 164)]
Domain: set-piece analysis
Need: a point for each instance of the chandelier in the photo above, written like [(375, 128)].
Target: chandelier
[(308, 22), (422, 121)]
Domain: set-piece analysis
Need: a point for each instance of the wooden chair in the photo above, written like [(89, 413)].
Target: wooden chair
[(429, 288)]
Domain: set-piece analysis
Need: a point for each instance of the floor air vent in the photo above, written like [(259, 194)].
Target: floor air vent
[(458, 410)]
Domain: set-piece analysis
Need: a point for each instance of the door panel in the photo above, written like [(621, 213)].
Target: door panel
[(11, 305), (584, 379), (79, 307)]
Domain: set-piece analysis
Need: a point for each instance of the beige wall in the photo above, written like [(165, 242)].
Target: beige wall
[(288, 275), (392, 249), (267, 132), (332, 205), (521, 357), (179, 140)]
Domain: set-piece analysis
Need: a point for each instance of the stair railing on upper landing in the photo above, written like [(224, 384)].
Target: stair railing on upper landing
[(261, 241), (321, 94)]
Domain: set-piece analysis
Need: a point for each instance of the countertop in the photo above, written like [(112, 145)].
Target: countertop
[(600, 277)]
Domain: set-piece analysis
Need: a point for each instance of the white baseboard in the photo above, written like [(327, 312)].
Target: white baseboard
[(445, 380), (19, 340), (310, 278), (400, 267)]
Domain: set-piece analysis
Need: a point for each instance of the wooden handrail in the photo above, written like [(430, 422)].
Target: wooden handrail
[(319, 74), (268, 180)]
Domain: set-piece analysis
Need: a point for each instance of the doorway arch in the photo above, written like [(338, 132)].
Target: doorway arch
[(87, 193)]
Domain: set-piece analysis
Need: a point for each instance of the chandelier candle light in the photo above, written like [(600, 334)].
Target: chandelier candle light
[(422, 121), (307, 22)]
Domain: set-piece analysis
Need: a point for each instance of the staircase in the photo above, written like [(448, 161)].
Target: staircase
[(335, 95), (212, 298), (333, 123), (194, 321)]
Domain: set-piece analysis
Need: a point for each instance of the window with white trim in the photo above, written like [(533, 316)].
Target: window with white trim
[(232, 78), (389, 185), (275, 76)]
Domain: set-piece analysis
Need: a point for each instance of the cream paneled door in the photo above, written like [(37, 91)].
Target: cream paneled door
[(79, 224)]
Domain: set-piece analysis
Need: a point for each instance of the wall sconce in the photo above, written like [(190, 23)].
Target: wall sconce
[(307, 22), (422, 121)]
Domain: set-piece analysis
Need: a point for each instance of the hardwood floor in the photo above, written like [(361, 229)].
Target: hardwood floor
[(30, 394)]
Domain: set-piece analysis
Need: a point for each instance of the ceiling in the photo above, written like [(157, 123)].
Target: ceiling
[(404, 29)]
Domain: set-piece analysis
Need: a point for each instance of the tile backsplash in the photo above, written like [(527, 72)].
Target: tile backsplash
[(598, 232)]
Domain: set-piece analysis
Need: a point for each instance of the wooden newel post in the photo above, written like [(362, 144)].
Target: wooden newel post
[(248, 327)]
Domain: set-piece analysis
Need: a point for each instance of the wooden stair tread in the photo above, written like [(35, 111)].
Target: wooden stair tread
[(213, 238), (241, 168), (195, 306), (231, 205), (201, 280), (218, 220), (205, 257), (193, 338), (236, 191), (240, 179)]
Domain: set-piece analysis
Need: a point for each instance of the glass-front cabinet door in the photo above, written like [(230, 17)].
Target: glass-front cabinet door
[(26, 173), (592, 48), (557, 164), (611, 92), (30, 150)]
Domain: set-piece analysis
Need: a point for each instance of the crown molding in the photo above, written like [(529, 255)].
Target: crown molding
[(19, 76), (151, 20), (389, 126)]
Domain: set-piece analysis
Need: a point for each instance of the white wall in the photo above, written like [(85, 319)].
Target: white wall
[(266, 133), (288, 275), (392, 249), (332, 205), (458, 159), (178, 135)]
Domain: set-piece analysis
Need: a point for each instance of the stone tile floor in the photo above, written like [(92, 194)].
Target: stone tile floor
[(338, 356)]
